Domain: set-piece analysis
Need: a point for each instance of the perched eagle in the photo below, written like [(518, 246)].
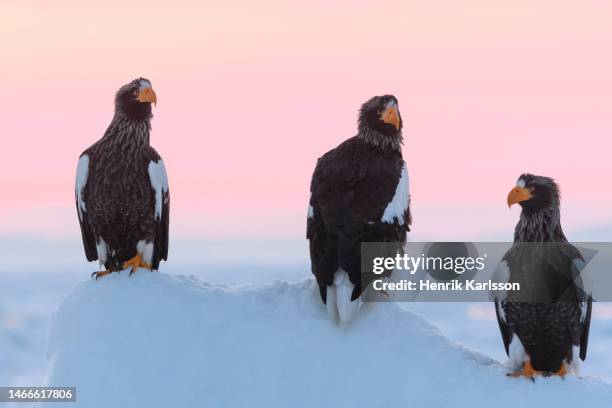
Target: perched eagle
[(544, 325), (122, 195), (359, 193)]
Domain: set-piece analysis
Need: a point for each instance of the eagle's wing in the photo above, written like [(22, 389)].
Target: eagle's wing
[(502, 274), (569, 263), (317, 235), (586, 302), (351, 204), (89, 239), (585, 324), (159, 182)]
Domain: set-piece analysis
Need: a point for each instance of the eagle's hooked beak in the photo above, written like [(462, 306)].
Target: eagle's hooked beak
[(147, 95), (518, 194), (391, 116)]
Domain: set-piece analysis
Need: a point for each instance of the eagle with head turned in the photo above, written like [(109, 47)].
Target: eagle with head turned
[(359, 193), (122, 195), (544, 325)]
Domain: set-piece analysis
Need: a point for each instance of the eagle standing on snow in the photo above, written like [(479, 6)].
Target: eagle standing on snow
[(359, 193), (545, 325), (122, 195)]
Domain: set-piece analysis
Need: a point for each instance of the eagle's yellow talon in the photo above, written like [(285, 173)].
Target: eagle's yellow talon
[(562, 371), (100, 274), (528, 370), (135, 263)]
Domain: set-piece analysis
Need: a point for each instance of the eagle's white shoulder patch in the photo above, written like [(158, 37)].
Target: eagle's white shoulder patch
[(399, 203), (159, 182), (81, 180)]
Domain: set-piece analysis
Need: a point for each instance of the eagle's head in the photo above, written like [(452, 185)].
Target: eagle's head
[(380, 122), (534, 193), (134, 99)]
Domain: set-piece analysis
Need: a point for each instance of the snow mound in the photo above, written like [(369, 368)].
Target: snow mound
[(156, 340)]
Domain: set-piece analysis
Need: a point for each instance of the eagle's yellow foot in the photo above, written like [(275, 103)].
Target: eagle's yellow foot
[(527, 371), (135, 263), (100, 274), (562, 371)]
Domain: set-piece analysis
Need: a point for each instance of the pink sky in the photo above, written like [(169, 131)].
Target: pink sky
[(251, 93)]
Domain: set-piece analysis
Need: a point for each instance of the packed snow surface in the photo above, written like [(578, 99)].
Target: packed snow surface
[(156, 340)]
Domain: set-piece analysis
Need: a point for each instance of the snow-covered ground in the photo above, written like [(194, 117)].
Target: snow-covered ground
[(158, 340), (36, 274), (31, 289)]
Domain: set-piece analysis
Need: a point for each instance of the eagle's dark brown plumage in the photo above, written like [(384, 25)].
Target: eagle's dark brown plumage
[(545, 325), (359, 193), (122, 194)]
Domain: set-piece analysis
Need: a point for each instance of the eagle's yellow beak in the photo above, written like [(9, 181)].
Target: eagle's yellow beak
[(391, 116), (147, 95), (518, 194)]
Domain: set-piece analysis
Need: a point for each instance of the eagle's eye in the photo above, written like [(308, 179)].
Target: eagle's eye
[(531, 188)]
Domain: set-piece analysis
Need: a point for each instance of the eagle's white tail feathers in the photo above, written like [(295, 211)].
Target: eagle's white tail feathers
[(332, 309), (339, 306)]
